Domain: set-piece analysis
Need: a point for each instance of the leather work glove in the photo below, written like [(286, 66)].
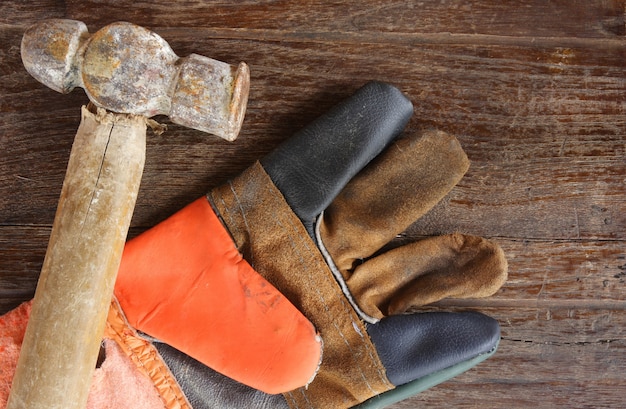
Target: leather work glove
[(312, 218)]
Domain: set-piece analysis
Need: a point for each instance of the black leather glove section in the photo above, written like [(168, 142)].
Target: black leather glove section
[(208, 389), (415, 345), (314, 165)]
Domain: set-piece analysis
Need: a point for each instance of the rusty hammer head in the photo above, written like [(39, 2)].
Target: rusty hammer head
[(126, 68)]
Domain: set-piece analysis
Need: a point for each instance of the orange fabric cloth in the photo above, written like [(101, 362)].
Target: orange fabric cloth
[(12, 329), (185, 283), (116, 384)]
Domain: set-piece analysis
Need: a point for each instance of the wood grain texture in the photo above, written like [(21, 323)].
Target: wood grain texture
[(535, 92)]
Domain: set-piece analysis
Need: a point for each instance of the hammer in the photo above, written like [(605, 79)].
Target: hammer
[(129, 74)]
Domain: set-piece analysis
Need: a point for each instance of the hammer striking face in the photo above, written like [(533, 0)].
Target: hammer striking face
[(126, 68)]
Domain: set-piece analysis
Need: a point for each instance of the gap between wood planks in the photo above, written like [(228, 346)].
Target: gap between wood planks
[(349, 37), (563, 343), (553, 304)]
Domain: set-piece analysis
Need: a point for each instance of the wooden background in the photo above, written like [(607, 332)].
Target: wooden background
[(534, 89)]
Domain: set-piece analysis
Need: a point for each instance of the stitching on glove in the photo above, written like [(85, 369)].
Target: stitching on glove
[(338, 276), (306, 244), (243, 213), (145, 357)]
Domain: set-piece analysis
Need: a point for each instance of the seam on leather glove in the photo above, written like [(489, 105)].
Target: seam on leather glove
[(393, 191), (338, 276)]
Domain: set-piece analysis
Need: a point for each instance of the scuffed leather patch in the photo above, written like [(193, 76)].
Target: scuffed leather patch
[(277, 245)]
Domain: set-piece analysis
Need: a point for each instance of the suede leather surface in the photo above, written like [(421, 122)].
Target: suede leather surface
[(312, 166), (426, 271), (410, 177), (399, 187)]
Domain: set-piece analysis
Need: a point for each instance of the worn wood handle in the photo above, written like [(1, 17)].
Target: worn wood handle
[(65, 329)]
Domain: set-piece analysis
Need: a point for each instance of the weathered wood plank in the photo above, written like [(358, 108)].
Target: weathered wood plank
[(536, 375), (15, 12), (534, 90), (554, 142), (550, 322), (524, 18), (22, 250)]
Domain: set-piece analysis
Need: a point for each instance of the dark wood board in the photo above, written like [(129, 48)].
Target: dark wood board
[(535, 90)]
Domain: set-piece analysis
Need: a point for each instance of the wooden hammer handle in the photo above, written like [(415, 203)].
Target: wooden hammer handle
[(65, 329)]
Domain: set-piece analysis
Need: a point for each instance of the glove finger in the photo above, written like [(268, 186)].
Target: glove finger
[(426, 271), (184, 282), (395, 190), (417, 345), (312, 167), (205, 388)]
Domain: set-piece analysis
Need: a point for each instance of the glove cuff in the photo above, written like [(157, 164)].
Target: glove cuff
[(145, 357), (261, 222)]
